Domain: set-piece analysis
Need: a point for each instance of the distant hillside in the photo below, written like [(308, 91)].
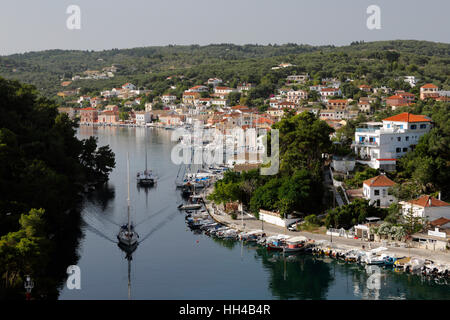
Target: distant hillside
[(146, 65)]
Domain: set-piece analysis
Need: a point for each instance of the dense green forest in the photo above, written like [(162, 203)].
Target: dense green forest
[(43, 169), (376, 62)]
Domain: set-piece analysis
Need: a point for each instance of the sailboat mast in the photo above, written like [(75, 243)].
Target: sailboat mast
[(145, 141), (128, 199)]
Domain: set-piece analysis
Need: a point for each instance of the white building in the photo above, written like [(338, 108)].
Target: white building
[(411, 80), (296, 96), (142, 117), (214, 81), (376, 190), (243, 87), (296, 79), (326, 93), (129, 86), (198, 89), (275, 218), (106, 93), (168, 98), (380, 144), (219, 102), (223, 90), (426, 207)]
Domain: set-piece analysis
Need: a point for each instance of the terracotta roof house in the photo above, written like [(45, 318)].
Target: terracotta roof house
[(426, 207), (429, 90), (376, 190)]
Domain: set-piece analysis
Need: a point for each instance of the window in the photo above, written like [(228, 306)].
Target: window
[(413, 126), (423, 126), (398, 150), (399, 138), (405, 149), (384, 193), (377, 192), (388, 126), (407, 138)]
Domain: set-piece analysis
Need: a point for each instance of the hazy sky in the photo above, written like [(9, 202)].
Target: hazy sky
[(33, 25)]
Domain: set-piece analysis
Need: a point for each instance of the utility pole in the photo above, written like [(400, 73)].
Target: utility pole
[(331, 236)]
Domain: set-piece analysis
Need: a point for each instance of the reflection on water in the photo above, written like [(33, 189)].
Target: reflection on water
[(172, 262)]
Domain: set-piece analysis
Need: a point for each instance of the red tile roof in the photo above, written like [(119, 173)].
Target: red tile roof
[(379, 181), (428, 201), (408, 117), (329, 89), (239, 107), (439, 222), (338, 101), (429, 86), (395, 97)]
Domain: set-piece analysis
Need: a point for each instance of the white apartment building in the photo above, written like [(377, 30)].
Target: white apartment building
[(380, 144), (142, 117), (219, 102), (168, 98), (337, 114), (295, 79), (296, 96), (223, 90), (326, 93)]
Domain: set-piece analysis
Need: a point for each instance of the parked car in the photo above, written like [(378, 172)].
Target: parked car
[(292, 226)]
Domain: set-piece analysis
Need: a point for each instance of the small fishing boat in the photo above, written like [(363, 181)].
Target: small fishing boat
[(401, 263), (276, 243), (194, 203), (374, 257), (252, 236), (389, 260), (190, 206), (295, 244)]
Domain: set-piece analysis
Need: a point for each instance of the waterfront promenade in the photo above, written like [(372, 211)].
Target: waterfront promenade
[(248, 222)]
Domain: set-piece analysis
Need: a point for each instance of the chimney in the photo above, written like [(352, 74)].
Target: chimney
[(439, 195), (429, 201)]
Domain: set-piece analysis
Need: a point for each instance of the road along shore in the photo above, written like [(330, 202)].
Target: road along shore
[(247, 223)]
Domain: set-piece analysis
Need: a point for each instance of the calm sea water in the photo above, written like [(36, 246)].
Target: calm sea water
[(171, 262)]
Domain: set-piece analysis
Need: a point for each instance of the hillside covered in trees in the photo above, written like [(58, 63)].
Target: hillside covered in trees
[(150, 67)]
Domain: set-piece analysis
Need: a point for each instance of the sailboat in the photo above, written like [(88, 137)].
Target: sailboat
[(146, 178), (127, 236)]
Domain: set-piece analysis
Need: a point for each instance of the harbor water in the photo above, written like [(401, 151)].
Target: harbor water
[(172, 262)]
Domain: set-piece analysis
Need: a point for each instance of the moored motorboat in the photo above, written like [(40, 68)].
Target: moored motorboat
[(295, 244)]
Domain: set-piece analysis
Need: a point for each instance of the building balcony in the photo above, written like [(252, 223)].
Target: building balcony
[(365, 144), (367, 129)]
